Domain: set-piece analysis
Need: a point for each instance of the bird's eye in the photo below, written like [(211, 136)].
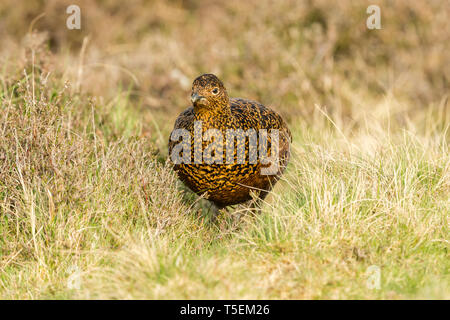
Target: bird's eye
[(215, 91)]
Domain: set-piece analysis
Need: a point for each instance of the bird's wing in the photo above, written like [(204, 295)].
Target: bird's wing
[(251, 114), (184, 121)]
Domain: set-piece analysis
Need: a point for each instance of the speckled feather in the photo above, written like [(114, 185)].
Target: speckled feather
[(229, 184)]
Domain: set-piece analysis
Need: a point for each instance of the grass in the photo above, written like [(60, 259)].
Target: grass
[(89, 208)]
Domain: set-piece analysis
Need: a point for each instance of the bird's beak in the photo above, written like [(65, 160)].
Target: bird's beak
[(195, 97)]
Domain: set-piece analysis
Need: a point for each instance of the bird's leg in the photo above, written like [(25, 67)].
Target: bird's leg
[(256, 202), (263, 195), (210, 206), (216, 211), (255, 207)]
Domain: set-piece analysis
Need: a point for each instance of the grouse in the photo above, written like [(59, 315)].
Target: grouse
[(228, 148)]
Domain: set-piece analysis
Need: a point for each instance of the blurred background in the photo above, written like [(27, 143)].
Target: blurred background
[(287, 54)]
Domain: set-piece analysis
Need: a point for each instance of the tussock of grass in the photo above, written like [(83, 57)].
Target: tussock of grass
[(85, 190)]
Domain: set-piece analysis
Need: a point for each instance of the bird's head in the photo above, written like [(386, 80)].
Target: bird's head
[(209, 93)]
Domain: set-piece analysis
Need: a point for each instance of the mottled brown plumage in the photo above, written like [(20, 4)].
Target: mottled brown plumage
[(227, 183)]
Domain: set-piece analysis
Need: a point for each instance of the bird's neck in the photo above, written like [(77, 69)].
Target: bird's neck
[(213, 118)]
